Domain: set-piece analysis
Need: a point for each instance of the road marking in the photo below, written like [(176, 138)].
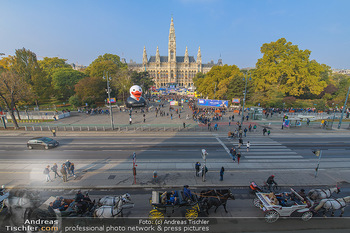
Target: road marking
[(188, 150), (272, 152), (73, 150), (223, 145), (274, 157)]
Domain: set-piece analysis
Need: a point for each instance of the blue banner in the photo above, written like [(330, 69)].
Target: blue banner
[(213, 103)]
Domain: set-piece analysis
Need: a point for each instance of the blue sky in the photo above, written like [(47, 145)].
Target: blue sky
[(82, 30)]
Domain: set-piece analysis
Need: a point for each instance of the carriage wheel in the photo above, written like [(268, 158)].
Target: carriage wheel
[(155, 214), (257, 202), (271, 216), (192, 214), (306, 216)]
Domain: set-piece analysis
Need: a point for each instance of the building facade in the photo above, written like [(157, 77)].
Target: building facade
[(172, 69)]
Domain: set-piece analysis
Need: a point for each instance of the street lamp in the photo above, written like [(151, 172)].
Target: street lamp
[(109, 96), (344, 107), (245, 92)]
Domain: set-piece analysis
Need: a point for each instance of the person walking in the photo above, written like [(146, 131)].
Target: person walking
[(71, 168), (238, 157), (222, 170), (240, 142), (184, 124), (47, 173), (130, 121), (245, 132), (268, 133), (64, 173), (53, 132), (240, 133), (54, 169), (254, 127), (264, 131), (233, 153), (197, 167), (248, 146), (250, 128), (67, 166)]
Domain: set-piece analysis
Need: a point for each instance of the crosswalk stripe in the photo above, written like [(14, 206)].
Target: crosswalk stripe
[(274, 157)]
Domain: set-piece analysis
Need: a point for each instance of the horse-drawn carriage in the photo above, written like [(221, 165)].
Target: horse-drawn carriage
[(163, 204), (289, 204)]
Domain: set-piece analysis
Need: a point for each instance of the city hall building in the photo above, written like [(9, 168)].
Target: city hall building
[(172, 69)]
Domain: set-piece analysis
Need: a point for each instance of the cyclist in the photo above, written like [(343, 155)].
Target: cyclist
[(270, 181)]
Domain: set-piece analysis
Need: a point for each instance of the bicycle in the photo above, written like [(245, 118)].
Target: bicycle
[(275, 188)]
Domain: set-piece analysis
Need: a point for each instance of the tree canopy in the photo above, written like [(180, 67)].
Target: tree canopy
[(64, 80), (288, 68), (107, 62)]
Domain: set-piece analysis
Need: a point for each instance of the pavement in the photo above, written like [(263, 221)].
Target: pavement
[(117, 174)]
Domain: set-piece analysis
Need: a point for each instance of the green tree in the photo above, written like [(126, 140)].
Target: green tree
[(216, 82), (74, 100), (122, 83), (13, 88), (142, 79), (26, 65), (288, 68), (91, 89), (107, 62), (64, 80)]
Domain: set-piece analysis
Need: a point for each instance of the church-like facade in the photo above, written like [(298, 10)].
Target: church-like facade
[(172, 69)]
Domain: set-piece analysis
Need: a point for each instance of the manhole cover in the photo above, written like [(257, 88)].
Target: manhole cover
[(111, 177)]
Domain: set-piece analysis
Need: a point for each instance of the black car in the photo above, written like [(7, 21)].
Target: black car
[(42, 142)]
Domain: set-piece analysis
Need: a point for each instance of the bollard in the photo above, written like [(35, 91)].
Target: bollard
[(25, 127), (72, 128), (65, 129), (88, 128), (80, 128), (104, 129), (96, 128), (41, 128), (33, 128)]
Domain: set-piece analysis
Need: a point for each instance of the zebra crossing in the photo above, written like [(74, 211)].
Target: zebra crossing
[(262, 147)]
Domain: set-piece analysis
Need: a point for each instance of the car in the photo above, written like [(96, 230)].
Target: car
[(42, 142)]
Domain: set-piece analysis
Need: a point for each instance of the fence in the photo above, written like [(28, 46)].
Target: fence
[(118, 128), (39, 115)]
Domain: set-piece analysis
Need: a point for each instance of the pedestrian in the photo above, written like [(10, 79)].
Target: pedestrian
[(209, 124), (248, 146), (233, 154), (54, 169), (64, 173), (47, 173), (264, 131), (179, 116), (197, 167), (171, 116), (247, 117), (216, 126), (184, 124), (250, 128), (240, 132), (53, 132), (238, 157), (71, 169), (67, 166), (222, 170), (254, 128), (268, 133), (245, 132), (130, 121), (229, 123), (240, 142)]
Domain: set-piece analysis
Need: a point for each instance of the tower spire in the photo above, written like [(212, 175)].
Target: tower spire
[(199, 56), (144, 57), (172, 42), (157, 55), (186, 56)]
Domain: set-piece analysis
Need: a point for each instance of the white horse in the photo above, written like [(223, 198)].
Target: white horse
[(333, 204), (112, 201), (113, 211), (318, 194)]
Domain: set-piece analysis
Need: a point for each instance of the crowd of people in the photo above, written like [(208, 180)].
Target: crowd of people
[(66, 169)]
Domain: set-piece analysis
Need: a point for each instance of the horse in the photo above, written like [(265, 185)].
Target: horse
[(113, 211), (332, 205), (318, 194), (216, 198), (111, 201)]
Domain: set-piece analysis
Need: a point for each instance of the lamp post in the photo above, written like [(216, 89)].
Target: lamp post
[(109, 97), (344, 107), (245, 92)]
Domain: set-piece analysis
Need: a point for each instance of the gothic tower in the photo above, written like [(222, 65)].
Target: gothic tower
[(172, 53)]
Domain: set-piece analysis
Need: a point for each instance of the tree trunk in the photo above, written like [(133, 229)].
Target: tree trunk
[(19, 117)]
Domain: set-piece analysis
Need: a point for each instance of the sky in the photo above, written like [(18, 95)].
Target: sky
[(81, 30)]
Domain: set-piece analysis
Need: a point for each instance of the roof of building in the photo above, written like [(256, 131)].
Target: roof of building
[(178, 59)]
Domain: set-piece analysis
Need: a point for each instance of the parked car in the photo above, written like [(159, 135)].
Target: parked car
[(42, 142)]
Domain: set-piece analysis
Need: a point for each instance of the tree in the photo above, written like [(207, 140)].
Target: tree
[(122, 82), (26, 65), (90, 89), (12, 89), (288, 68), (51, 64), (64, 80), (215, 83), (142, 79), (107, 62), (74, 100)]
